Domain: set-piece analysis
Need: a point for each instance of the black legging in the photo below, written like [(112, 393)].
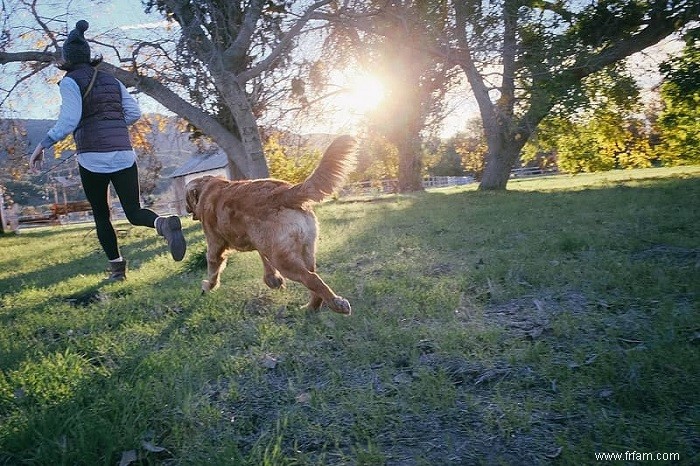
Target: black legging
[(126, 185)]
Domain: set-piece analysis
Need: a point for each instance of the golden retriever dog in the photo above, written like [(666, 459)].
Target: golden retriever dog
[(274, 218)]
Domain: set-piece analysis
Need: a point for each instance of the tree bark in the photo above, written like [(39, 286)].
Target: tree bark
[(499, 161), (410, 163), (252, 157)]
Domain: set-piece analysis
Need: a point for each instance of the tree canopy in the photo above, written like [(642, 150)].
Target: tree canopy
[(679, 122)]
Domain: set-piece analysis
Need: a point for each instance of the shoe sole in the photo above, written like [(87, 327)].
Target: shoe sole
[(177, 244)]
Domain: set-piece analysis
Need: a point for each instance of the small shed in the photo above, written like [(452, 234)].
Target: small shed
[(215, 163)]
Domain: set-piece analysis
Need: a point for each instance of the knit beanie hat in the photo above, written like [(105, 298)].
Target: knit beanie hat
[(75, 48)]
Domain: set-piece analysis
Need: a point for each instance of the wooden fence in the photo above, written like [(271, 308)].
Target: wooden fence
[(391, 186), (525, 172), (55, 215)]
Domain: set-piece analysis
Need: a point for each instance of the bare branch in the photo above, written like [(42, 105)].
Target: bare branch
[(662, 27), (15, 57), (109, 46), (236, 53), (49, 33), (19, 81), (191, 28), (284, 43)]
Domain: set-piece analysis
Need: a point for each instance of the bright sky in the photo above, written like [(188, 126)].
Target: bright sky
[(103, 16)]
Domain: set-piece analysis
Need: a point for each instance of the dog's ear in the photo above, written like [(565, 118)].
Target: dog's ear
[(192, 198)]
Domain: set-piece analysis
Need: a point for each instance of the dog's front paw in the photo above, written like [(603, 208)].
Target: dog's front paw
[(340, 305), (208, 286)]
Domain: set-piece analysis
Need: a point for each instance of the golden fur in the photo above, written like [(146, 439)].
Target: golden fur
[(273, 217)]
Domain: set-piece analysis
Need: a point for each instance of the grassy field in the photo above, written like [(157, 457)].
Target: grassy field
[(541, 325)]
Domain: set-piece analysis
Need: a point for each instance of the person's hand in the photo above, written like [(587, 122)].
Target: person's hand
[(36, 159)]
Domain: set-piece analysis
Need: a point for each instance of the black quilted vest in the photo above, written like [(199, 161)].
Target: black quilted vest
[(102, 127)]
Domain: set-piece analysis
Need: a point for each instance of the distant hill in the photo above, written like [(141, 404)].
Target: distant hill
[(173, 149)]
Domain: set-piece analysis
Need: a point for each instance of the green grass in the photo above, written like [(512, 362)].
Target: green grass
[(535, 326)]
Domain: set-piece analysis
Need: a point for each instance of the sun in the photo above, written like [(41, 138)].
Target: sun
[(366, 92), (361, 93), (350, 98)]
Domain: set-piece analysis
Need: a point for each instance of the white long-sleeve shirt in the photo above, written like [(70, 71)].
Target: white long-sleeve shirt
[(68, 118)]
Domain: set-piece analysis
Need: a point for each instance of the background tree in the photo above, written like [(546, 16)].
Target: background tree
[(211, 73), (471, 147), (291, 164), (416, 83), (149, 163), (13, 143), (444, 160), (524, 57), (13, 184), (606, 141), (378, 159), (600, 129), (679, 121), (461, 154)]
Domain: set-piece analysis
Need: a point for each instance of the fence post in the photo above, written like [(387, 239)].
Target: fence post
[(2, 211), (7, 224)]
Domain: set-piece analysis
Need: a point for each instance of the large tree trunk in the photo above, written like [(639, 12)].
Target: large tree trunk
[(252, 159), (504, 148), (410, 163), (499, 162)]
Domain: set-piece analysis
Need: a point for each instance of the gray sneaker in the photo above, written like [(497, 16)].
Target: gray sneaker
[(171, 229)]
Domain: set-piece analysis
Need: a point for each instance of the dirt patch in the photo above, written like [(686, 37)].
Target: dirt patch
[(87, 298), (530, 316), (669, 254), (407, 432)]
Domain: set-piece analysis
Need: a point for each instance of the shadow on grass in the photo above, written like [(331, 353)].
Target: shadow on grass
[(48, 276)]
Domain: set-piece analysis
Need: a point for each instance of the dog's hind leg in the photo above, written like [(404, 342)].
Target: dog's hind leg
[(308, 254), (320, 292), (216, 262), (296, 270), (272, 277)]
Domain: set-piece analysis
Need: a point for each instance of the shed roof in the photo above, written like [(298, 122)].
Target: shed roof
[(201, 163)]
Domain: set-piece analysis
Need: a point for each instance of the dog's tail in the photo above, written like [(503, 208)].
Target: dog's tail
[(337, 162)]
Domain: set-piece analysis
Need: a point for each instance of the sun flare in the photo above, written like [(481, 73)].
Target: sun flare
[(362, 93)]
